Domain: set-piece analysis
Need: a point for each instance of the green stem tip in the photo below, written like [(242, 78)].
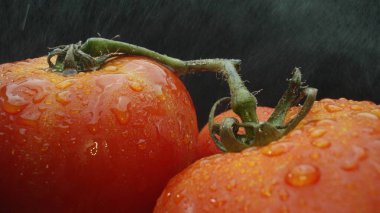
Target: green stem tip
[(74, 58)]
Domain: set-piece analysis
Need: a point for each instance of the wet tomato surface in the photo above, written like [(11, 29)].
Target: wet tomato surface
[(107, 140), (329, 163)]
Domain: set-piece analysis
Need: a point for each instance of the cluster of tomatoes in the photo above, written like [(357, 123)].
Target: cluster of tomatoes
[(110, 140)]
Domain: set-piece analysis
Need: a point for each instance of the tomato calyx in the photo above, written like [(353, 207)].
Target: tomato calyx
[(259, 133), (71, 59)]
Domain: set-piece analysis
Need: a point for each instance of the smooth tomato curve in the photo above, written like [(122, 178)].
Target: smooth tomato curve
[(107, 140), (329, 163)]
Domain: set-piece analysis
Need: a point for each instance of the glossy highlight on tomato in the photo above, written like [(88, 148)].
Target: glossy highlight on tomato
[(329, 163), (105, 140)]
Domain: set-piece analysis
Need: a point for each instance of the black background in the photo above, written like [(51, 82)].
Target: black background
[(336, 43)]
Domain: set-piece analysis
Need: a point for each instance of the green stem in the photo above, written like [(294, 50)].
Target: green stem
[(100, 46)]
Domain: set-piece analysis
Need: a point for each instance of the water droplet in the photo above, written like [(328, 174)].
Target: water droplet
[(315, 155), (356, 107), (18, 95), (63, 97), (327, 100), (121, 116), (217, 203), (276, 149), (295, 133), (93, 128), (321, 143), (231, 185), (266, 191), (141, 144), (315, 110), (64, 84), (22, 131), (45, 147), (283, 194), (136, 86), (93, 147), (178, 198), (318, 132), (110, 68), (213, 187), (352, 162), (29, 116), (368, 115), (213, 201), (120, 110), (333, 108), (302, 175), (376, 112), (326, 122), (12, 104), (169, 194), (12, 109)]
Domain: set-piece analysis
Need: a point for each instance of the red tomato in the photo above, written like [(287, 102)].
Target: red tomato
[(329, 163), (107, 140)]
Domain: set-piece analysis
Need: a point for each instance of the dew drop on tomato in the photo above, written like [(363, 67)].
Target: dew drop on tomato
[(217, 203), (367, 115), (276, 149), (22, 131), (136, 86), (315, 155), (141, 144), (93, 128), (333, 108), (121, 116), (352, 161), (64, 84), (12, 103), (36, 88), (63, 97), (326, 122), (30, 116), (318, 132), (178, 198), (302, 175), (45, 147), (92, 147), (266, 191), (120, 110), (213, 187), (283, 194), (321, 143), (232, 184)]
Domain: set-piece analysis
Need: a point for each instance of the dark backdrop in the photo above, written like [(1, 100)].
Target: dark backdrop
[(335, 42)]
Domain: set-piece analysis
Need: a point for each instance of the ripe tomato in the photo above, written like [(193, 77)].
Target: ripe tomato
[(208, 146), (107, 140), (329, 163)]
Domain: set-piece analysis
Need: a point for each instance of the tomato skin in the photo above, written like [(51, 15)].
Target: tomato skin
[(100, 141), (329, 163), (208, 145)]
